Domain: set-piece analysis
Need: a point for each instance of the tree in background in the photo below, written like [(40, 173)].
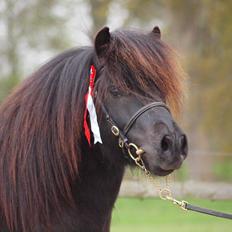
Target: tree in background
[(206, 30), (99, 11), (31, 25)]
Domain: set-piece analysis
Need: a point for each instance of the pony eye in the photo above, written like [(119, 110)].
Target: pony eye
[(114, 91)]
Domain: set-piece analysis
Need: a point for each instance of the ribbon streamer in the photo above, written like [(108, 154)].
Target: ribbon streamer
[(90, 107)]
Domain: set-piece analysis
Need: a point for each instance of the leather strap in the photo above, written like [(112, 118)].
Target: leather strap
[(140, 112), (207, 211)]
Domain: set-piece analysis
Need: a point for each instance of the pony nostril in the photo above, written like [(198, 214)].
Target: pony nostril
[(183, 145), (166, 143)]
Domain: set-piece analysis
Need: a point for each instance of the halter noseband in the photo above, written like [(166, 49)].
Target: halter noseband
[(123, 141), (140, 112)]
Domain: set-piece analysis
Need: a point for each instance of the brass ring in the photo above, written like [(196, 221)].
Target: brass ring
[(132, 145), (165, 193)]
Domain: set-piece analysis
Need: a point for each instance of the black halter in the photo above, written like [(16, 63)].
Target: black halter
[(122, 133)]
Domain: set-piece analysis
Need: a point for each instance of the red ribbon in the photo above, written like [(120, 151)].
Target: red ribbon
[(90, 92)]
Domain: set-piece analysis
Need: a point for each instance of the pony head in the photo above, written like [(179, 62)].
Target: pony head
[(137, 70)]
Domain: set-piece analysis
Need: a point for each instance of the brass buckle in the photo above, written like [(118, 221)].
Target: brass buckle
[(115, 130)]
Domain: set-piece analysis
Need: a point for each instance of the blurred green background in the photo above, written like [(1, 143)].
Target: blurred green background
[(148, 215), (33, 31)]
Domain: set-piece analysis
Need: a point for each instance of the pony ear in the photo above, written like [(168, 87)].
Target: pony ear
[(102, 41), (156, 31)]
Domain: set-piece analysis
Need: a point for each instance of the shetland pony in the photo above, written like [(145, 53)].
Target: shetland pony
[(51, 178)]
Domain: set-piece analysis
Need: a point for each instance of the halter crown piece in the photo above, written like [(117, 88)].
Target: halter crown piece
[(90, 107)]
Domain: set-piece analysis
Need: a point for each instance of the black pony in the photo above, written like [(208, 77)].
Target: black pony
[(51, 178)]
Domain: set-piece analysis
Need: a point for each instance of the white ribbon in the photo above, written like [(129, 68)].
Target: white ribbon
[(93, 118)]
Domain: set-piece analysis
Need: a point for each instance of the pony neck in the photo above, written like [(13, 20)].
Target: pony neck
[(96, 192)]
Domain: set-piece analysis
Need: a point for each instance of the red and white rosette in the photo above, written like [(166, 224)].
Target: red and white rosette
[(90, 107)]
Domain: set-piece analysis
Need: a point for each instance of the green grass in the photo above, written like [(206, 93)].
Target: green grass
[(152, 214), (223, 169)]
